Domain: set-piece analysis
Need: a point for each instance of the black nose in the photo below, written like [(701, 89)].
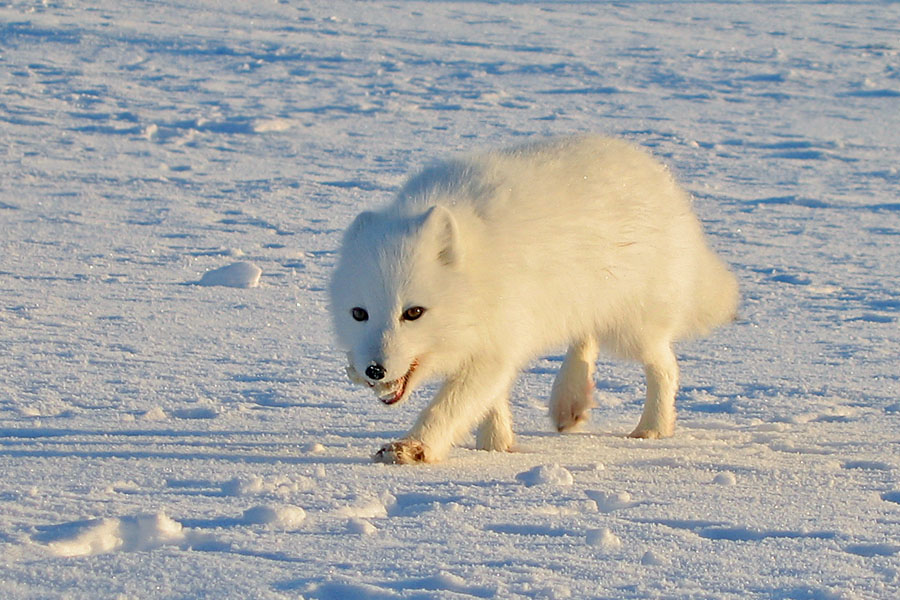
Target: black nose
[(375, 372)]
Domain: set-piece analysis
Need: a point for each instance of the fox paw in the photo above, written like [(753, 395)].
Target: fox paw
[(569, 421), (401, 452), (570, 408), (651, 433)]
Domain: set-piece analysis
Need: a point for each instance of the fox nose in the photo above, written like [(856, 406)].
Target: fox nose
[(375, 371)]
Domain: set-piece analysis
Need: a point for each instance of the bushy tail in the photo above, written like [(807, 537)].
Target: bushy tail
[(716, 295)]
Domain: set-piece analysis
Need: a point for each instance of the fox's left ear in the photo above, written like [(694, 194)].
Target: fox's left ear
[(441, 227)]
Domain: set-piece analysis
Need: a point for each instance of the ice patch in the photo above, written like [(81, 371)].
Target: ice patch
[(237, 275), (546, 475)]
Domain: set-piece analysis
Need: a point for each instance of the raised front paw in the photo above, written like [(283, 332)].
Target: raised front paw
[(402, 452)]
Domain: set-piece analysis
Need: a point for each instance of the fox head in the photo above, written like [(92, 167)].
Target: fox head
[(400, 300)]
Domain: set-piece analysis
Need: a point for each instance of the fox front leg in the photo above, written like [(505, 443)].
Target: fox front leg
[(463, 401)]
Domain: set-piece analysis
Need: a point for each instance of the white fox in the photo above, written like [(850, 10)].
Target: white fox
[(483, 262)]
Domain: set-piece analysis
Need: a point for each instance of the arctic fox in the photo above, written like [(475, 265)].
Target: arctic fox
[(483, 262)]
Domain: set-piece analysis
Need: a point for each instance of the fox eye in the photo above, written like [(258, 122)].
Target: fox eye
[(413, 313), (359, 314)]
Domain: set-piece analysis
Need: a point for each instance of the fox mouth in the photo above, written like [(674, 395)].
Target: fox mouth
[(391, 392)]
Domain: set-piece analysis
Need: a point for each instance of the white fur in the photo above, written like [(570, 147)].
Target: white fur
[(586, 242)]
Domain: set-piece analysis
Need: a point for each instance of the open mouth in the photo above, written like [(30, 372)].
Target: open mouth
[(391, 392)]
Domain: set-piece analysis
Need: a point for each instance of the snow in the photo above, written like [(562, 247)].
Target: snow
[(546, 475), (237, 275), (128, 534), (281, 517), (609, 501), (162, 439), (604, 539), (725, 478)]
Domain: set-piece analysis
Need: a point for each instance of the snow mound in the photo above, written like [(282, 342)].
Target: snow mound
[(314, 448), (360, 527), (154, 414), (129, 534), (603, 539), (652, 559), (272, 125), (610, 501), (237, 275), (725, 478), (368, 507), (284, 517), (546, 475)]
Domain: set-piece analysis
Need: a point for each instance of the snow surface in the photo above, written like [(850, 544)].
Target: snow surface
[(239, 275), (160, 439)]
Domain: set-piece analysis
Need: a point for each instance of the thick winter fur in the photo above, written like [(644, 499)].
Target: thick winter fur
[(586, 242)]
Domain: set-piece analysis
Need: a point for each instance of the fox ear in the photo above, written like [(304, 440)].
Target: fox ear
[(360, 224), (362, 220), (441, 227)]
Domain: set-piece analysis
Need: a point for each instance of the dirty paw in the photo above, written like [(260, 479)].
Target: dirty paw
[(402, 452), (570, 422)]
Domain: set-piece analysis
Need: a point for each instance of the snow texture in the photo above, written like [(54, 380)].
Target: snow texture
[(236, 275), (604, 539), (128, 534), (162, 439), (546, 475)]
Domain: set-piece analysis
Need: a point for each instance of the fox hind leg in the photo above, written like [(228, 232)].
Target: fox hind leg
[(572, 395), (658, 418)]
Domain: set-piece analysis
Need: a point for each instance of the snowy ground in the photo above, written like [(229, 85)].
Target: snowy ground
[(163, 439)]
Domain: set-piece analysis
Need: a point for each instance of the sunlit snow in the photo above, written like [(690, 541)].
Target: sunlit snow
[(164, 439)]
